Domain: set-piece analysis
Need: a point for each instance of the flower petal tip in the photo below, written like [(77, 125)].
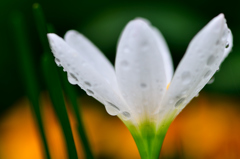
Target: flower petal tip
[(218, 22), (139, 23), (141, 20), (51, 36), (70, 33), (53, 39)]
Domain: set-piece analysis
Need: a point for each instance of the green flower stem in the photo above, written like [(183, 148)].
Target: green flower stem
[(148, 137), (28, 72), (72, 96), (55, 92), (53, 83)]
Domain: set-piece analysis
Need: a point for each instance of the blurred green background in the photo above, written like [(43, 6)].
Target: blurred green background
[(102, 22)]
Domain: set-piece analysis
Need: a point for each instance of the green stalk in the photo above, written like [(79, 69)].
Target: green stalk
[(148, 137), (55, 92), (53, 83), (28, 72), (72, 96)]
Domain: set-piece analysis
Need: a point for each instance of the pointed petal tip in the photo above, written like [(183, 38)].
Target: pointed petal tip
[(139, 22), (52, 38), (70, 33), (221, 15), (219, 20)]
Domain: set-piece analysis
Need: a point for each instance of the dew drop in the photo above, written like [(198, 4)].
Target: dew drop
[(197, 95), (207, 74), (89, 92), (179, 102), (111, 108), (227, 45), (210, 60), (124, 64), (114, 106), (211, 80), (87, 83), (57, 61), (126, 115), (143, 85), (186, 77), (72, 78)]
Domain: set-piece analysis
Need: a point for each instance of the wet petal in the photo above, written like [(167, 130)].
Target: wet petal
[(201, 61), (92, 54), (165, 53), (229, 44), (140, 67), (80, 71)]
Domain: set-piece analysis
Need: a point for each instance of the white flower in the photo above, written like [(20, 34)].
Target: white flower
[(142, 86)]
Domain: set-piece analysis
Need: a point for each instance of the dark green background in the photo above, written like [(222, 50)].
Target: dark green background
[(102, 22)]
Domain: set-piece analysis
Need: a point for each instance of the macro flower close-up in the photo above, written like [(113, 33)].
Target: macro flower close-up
[(142, 89)]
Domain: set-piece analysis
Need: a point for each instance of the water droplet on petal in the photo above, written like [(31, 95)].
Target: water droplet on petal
[(179, 102), (210, 60), (57, 61), (114, 106), (197, 95), (211, 80), (89, 92), (207, 74), (186, 77), (87, 83), (111, 108), (227, 45), (124, 64), (126, 115), (143, 85), (72, 78)]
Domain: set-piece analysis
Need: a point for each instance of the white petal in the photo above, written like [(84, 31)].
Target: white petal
[(229, 44), (92, 54), (202, 59), (140, 68), (81, 72), (165, 53)]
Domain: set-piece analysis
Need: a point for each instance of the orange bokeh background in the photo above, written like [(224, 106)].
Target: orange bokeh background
[(208, 127)]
